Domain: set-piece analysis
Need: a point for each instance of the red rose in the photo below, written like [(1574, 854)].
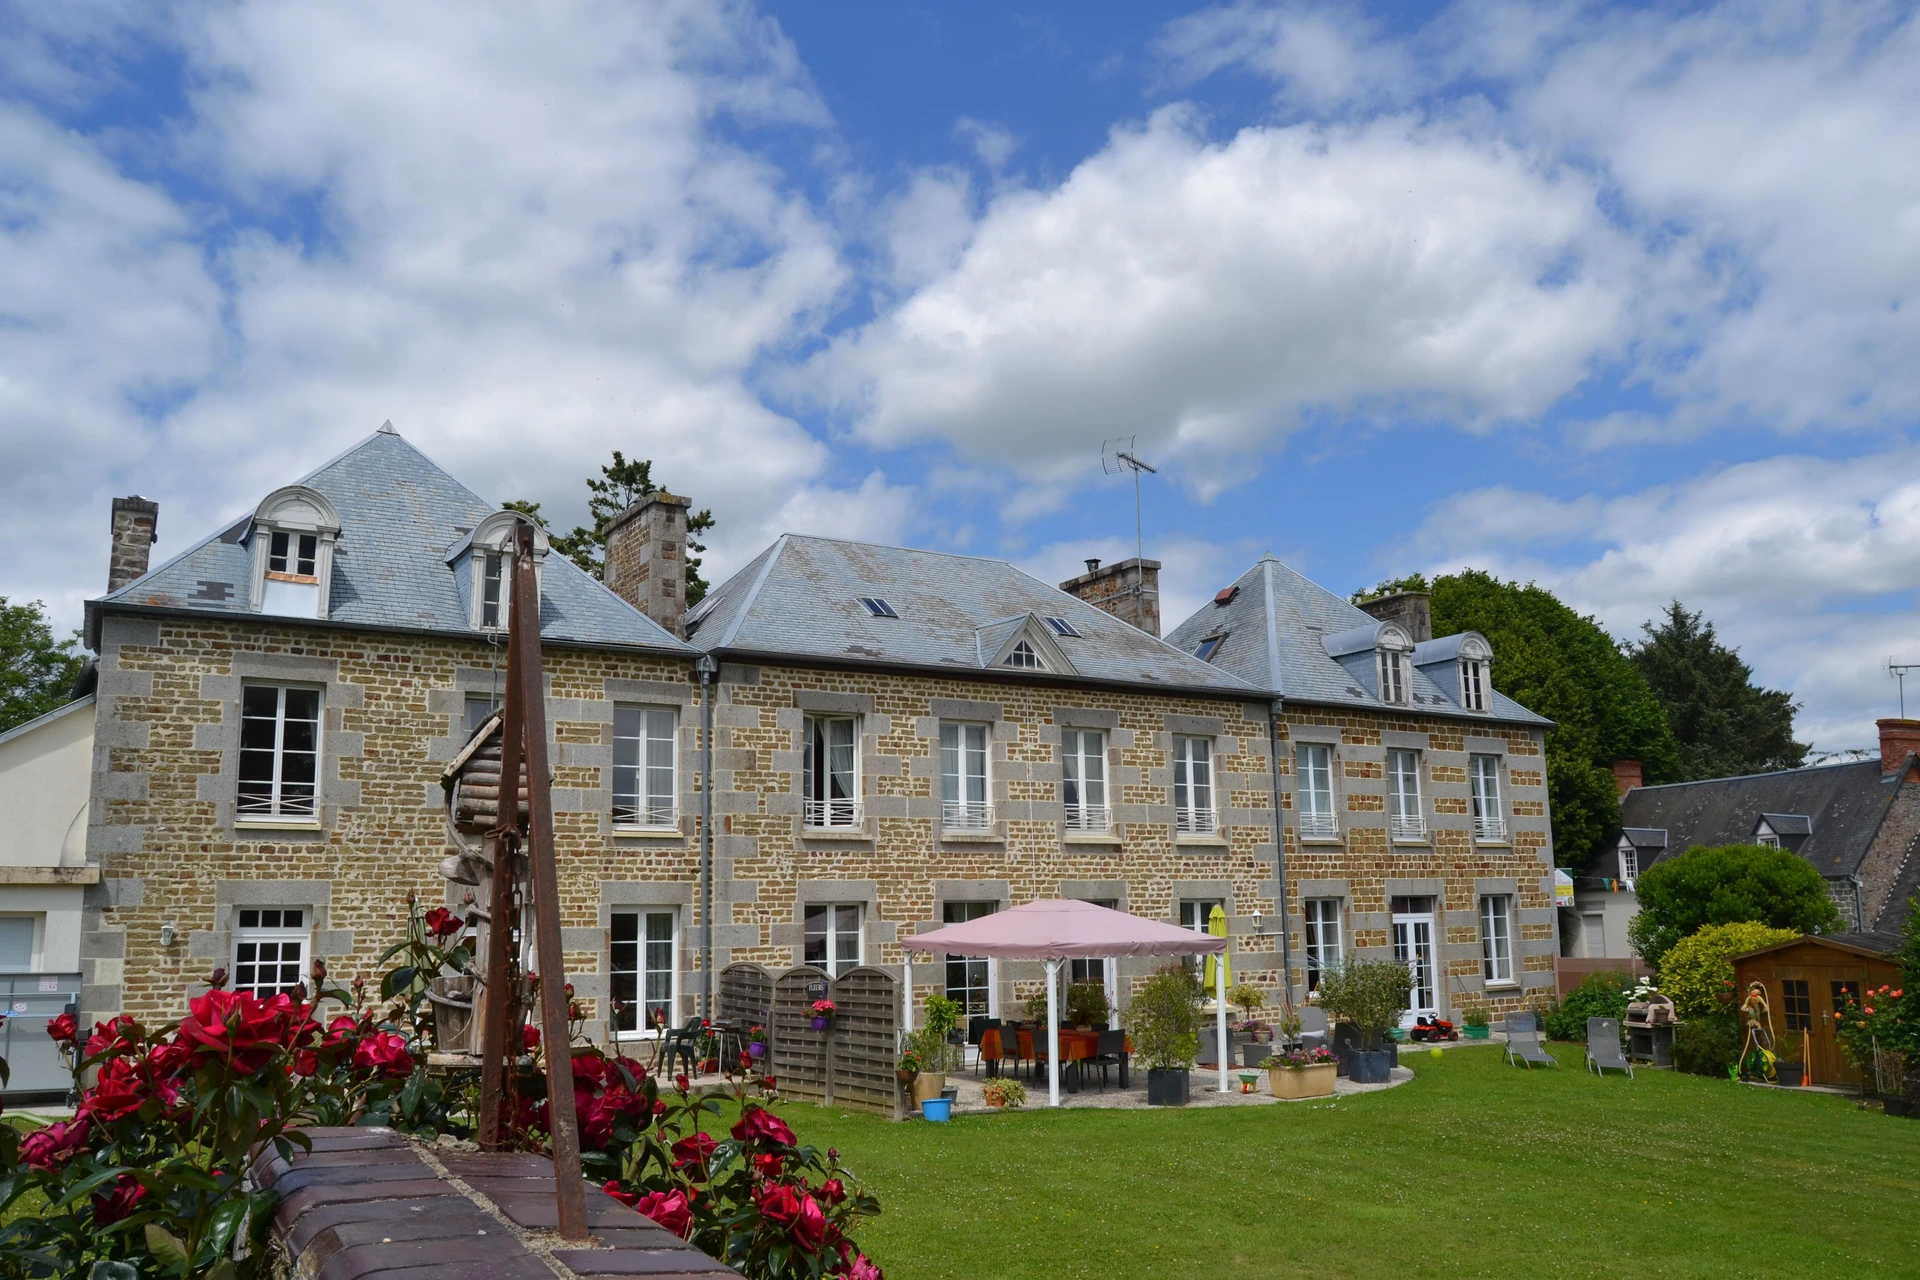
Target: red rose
[(306, 1063), (442, 923), (659, 1108), (111, 1037), (590, 1070), (769, 1166), (385, 1053), (778, 1204), (757, 1124), (810, 1230), (529, 1037), (681, 1083), (63, 1029), (864, 1269), (115, 1094), (668, 1208), (834, 1190), (54, 1145), (119, 1202), (627, 1198), (236, 1027), (696, 1150)]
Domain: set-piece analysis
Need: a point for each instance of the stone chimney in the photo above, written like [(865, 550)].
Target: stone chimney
[(1897, 737), (646, 561), (1129, 590), (1408, 608), (136, 522), (1627, 775)]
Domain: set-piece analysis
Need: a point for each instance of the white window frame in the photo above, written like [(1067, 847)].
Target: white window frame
[(249, 928), (1489, 815), (832, 935), (301, 585), (1024, 656), (1629, 860), (960, 911), (1085, 968), (1193, 915), (641, 807), (1496, 939), (1406, 814), (1193, 786), (1395, 675), (1079, 749), (492, 576), (36, 939), (643, 917), (475, 710), (1473, 684), (278, 813), (1325, 948), (1315, 823), (963, 746), (826, 811)]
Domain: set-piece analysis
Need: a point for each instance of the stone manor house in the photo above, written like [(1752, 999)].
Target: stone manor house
[(901, 739)]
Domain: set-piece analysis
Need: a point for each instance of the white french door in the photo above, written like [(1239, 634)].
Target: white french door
[(1413, 947)]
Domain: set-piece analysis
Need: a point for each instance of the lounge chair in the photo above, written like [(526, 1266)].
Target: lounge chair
[(1523, 1042), (1313, 1026), (1603, 1046)]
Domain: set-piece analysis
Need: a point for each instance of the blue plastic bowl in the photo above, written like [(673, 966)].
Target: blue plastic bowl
[(938, 1110)]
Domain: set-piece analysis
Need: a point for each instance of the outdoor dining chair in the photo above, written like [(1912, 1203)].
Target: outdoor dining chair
[(1110, 1051), (682, 1045), (1523, 1042), (1603, 1046)]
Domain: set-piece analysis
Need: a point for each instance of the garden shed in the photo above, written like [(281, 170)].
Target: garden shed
[(1807, 980)]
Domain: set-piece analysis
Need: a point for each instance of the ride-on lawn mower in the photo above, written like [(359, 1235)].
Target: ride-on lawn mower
[(1426, 1029)]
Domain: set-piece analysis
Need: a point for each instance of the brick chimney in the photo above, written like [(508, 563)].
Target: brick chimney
[(1627, 775), (1410, 609), (136, 522), (1129, 590), (1897, 737), (646, 561)]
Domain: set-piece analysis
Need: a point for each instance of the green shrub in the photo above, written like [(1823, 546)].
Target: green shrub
[(1698, 970), (1707, 1045), (1164, 1017), (1371, 994), (1727, 884), (1602, 995), (1087, 1004)]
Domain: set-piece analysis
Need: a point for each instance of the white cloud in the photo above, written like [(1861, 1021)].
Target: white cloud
[(873, 511), (1205, 295), (1191, 569), (994, 146), (1328, 57)]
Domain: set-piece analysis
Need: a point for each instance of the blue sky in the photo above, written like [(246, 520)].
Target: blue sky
[(1620, 299)]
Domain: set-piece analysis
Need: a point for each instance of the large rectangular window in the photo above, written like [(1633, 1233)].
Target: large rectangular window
[(1193, 786), (963, 778), (643, 968), (269, 950), (1093, 968), (1473, 684), (1194, 915), (833, 935), (1323, 938), (1488, 821), (279, 752), (1083, 775), (1496, 937), (969, 978), (832, 771), (1315, 792), (18, 934), (479, 709), (1394, 676), (644, 794), (1404, 815)]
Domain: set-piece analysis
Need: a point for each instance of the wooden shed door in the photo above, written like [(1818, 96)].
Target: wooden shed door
[(1830, 1065)]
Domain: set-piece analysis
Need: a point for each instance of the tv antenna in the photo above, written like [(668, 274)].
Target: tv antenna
[(1898, 670), (1117, 455)]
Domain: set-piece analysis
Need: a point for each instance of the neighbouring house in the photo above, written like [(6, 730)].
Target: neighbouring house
[(1857, 823), (902, 739), (1808, 980)]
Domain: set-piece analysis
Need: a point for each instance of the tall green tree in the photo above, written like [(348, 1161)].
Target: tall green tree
[(1727, 884), (1562, 665), (1725, 724), (36, 671), (620, 485)]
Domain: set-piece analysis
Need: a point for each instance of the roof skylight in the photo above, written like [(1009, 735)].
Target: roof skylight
[(877, 607), (1210, 646), (1061, 627)]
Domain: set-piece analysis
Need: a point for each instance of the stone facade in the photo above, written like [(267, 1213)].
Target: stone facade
[(164, 833)]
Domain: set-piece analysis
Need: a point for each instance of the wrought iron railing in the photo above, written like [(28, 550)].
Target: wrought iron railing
[(966, 815), (1088, 817)]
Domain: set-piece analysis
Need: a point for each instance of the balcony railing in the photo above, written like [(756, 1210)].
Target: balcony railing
[(1193, 822), (833, 813), (1407, 826), (1489, 829), (1318, 826), (966, 815), (1088, 817), (630, 815)]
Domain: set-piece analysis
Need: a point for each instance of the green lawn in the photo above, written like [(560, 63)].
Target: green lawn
[(1473, 1169)]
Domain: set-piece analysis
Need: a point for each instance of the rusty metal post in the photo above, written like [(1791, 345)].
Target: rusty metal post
[(499, 1040), (544, 879)]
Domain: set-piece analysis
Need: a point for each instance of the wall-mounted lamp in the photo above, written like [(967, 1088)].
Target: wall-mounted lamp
[(1256, 922), (166, 935)]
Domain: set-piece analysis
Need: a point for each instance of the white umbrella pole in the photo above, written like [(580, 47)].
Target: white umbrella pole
[(1221, 1047), (906, 993), (1053, 1036)]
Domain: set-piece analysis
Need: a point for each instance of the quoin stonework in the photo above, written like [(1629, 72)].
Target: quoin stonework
[(901, 739)]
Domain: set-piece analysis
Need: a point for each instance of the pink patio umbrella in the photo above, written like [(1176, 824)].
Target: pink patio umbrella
[(1063, 929)]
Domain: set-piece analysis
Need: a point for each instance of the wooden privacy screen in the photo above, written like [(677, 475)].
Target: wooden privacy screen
[(799, 1052), (746, 996), (850, 1064)]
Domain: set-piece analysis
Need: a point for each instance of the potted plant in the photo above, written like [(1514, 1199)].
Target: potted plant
[(1477, 1021), (822, 1011), (1790, 1061), (756, 1042), (1087, 1005), (1371, 995), (1301, 1073), (932, 1044), (1249, 999), (908, 1068), (1164, 1018), (1004, 1092)]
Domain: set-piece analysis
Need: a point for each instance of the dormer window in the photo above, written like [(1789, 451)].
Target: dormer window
[(1394, 676), (293, 537), (1022, 655), (1476, 673), (493, 599), (486, 557)]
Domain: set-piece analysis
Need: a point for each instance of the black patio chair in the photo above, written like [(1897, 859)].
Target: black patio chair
[(682, 1045), (1110, 1051)]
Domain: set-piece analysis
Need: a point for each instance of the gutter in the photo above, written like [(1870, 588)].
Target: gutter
[(996, 675), (1280, 850), (706, 666)]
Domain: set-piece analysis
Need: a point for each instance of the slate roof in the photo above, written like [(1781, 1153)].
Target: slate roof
[(1845, 803), (801, 598), (400, 517), (1275, 621)]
